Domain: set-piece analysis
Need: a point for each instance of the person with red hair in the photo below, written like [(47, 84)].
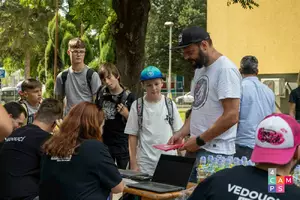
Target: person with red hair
[(77, 165)]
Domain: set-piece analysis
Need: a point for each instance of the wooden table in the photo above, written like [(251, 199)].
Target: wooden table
[(148, 195)]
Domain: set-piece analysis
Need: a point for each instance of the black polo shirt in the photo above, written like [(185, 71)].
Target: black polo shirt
[(20, 163), (88, 174), (241, 183)]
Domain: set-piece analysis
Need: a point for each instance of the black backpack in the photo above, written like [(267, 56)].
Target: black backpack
[(140, 109), (89, 75)]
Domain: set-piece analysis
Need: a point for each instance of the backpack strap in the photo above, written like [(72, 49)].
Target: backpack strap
[(89, 75), (64, 76), (125, 95), (169, 105), (22, 103), (28, 119), (99, 96), (139, 109)]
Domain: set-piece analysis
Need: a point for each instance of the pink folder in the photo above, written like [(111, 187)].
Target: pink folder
[(167, 147)]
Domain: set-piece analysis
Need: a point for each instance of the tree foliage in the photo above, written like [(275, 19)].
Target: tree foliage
[(114, 31), (250, 4), (183, 13), (91, 13), (23, 26)]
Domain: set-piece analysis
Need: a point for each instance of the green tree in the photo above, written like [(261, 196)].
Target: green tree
[(67, 31), (130, 35), (22, 32), (183, 13)]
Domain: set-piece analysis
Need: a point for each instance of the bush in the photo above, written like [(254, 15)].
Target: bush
[(49, 89)]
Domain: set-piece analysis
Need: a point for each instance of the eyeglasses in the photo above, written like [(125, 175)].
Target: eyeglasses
[(78, 52)]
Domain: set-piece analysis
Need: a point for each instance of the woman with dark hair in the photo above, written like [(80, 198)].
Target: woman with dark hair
[(77, 165)]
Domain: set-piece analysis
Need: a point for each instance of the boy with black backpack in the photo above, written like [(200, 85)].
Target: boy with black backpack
[(152, 120), (115, 100), (78, 83)]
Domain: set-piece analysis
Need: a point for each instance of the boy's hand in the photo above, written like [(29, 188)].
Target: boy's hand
[(123, 110), (176, 139), (134, 167)]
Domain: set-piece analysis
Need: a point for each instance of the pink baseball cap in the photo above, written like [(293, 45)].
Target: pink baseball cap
[(276, 140)]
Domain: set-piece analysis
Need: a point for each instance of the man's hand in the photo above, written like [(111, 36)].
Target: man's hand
[(176, 139), (191, 145)]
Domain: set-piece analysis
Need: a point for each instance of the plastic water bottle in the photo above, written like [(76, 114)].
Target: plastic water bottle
[(221, 165), (250, 163), (210, 159), (244, 161), (215, 164), (219, 157), (201, 170), (228, 163), (296, 175), (236, 161), (244, 158), (230, 158)]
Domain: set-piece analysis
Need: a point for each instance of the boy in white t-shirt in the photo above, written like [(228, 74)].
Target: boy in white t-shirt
[(152, 120)]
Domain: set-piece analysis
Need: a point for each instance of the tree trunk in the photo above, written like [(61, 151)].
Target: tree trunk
[(27, 64), (130, 37)]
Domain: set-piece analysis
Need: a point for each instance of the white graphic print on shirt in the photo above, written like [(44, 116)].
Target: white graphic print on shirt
[(246, 194), (109, 109), (201, 92)]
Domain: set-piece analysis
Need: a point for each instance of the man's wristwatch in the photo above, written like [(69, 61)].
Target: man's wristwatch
[(199, 141)]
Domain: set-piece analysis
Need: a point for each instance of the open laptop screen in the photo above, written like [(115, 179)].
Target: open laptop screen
[(173, 170)]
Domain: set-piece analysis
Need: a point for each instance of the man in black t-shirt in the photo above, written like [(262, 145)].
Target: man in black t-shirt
[(295, 103), (21, 154), (277, 146)]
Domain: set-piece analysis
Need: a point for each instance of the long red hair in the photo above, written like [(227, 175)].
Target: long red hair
[(84, 121)]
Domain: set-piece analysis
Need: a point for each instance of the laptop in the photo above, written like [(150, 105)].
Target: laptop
[(171, 174), (130, 173)]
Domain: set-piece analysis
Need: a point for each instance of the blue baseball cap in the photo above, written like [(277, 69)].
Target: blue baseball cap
[(150, 73)]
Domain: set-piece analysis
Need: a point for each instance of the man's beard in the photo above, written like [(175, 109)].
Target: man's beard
[(201, 61)]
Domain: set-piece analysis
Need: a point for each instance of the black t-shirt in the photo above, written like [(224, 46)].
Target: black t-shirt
[(295, 98), (90, 174), (20, 158), (113, 130), (241, 183)]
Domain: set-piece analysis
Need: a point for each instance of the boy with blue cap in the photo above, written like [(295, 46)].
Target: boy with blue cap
[(152, 120)]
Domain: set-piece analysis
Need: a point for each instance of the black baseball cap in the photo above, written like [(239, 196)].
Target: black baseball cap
[(191, 35)]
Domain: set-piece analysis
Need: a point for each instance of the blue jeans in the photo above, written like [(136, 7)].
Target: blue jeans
[(197, 155)]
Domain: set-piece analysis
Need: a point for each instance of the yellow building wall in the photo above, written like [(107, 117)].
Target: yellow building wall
[(270, 32)]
